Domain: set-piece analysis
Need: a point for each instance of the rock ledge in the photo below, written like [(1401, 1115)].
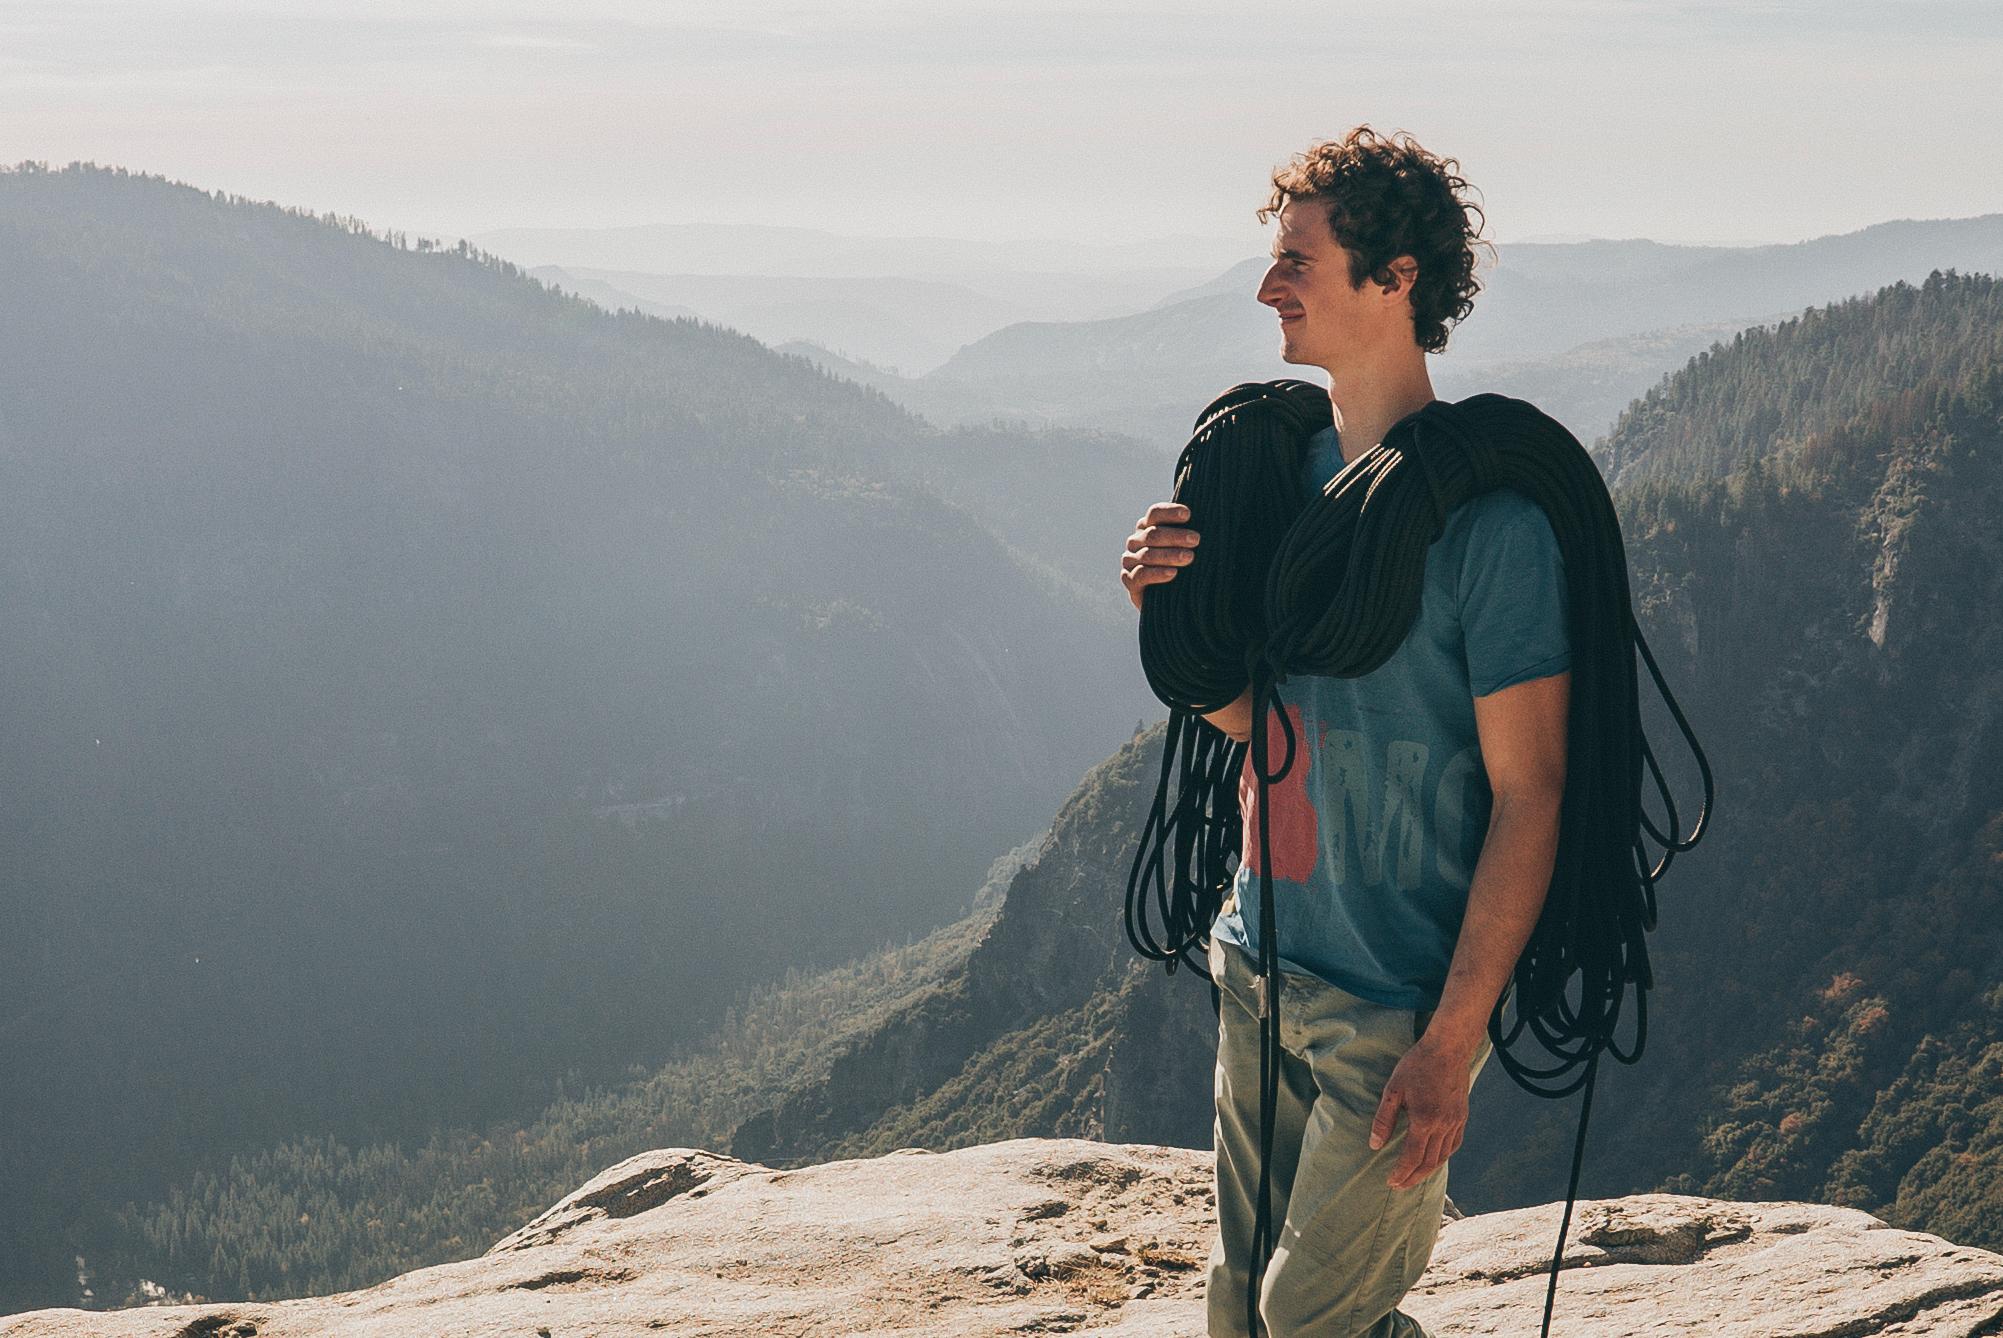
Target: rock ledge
[(1037, 1236)]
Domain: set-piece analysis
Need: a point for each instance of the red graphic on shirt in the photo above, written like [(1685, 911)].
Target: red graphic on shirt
[(1295, 834)]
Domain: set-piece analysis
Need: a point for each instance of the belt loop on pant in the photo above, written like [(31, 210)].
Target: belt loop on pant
[(1259, 994)]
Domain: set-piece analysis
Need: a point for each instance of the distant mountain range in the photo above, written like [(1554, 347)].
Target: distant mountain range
[(1581, 328), (803, 252), (907, 303), (909, 323)]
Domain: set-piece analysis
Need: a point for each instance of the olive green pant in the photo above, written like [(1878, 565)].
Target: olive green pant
[(1348, 1246)]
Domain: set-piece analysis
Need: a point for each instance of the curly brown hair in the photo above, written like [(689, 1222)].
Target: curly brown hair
[(1388, 198)]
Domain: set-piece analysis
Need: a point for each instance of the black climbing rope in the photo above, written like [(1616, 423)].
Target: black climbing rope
[(1243, 462), (1332, 588)]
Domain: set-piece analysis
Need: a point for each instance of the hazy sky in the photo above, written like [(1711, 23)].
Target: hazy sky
[(1712, 120)]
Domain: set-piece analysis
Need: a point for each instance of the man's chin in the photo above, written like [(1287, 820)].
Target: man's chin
[(1298, 358)]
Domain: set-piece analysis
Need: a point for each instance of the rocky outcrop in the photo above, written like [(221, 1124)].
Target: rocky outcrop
[(1072, 1236)]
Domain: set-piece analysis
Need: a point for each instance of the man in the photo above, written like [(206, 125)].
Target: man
[(1413, 841)]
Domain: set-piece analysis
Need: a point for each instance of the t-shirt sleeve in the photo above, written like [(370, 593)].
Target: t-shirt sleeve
[(1512, 595)]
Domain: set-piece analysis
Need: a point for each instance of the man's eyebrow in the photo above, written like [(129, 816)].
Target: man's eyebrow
[(1291, 255)]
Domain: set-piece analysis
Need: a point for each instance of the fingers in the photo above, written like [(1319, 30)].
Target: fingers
[(1157, 549), (1138, 578), (1169, 538), (1157, 555), (1137, 575), (1387, 1115), (1428, 1146), (1424, 1153), (1164, 526), (1429, 1138)]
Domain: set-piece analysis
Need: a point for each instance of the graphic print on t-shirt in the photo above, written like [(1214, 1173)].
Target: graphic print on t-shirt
[(1376, 836), (1295, 834), (1382, 833)]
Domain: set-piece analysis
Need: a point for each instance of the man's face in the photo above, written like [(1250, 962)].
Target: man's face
[(1323, 320)]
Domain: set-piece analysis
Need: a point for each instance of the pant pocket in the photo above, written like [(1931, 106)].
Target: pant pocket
[(1421, 1019)]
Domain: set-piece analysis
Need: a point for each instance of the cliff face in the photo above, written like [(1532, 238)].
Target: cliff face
[(1070, 1236), (1053, 1027)]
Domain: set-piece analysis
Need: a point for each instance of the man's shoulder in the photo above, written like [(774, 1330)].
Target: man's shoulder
[(1500, 529), (1493, 512), (1506, 501)]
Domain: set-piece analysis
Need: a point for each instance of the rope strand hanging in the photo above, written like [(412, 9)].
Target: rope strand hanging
[(1331, 587)]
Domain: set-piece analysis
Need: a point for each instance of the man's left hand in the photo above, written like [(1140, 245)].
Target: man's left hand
[(1431, 1085)]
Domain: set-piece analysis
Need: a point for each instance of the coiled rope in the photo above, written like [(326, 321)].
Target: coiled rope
[(1331, 587)]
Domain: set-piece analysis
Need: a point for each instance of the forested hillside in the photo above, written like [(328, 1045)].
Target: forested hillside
[(423, 685), (1835, 603), (1028, 1014), (317, 1214), (1773, 389)]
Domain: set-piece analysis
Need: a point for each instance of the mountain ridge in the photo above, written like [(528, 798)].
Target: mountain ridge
[(355, 581)]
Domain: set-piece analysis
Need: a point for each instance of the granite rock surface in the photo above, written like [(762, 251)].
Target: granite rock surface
[(1039, 1236)]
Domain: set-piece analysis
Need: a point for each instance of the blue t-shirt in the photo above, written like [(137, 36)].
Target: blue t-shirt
[(1377, 827)]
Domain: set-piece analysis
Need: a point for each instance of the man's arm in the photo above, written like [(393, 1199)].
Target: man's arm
[(1235, 719), (1522, 731)]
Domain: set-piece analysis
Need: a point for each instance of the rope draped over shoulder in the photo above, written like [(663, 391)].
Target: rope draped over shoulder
[(1332, 587), (1200, 635)]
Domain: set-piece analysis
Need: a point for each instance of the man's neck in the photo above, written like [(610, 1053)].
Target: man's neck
[(1369, 401)]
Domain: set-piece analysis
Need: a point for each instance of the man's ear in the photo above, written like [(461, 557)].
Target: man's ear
[(1404, 273)]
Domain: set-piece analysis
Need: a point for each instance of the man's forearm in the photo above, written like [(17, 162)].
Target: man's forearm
[(1235, 719), (1511, 879)]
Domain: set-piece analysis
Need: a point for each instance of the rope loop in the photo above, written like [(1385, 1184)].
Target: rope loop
[(1422, 456)]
